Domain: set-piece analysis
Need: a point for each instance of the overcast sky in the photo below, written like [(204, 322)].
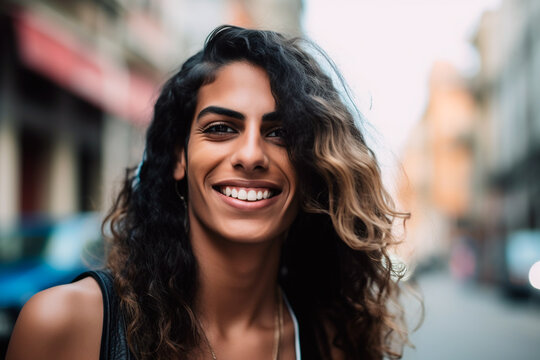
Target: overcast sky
[(385, 49)]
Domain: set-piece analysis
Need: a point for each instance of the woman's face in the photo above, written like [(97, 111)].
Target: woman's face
[(241, 183)]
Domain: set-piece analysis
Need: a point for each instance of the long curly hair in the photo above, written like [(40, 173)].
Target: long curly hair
[(335, 267)]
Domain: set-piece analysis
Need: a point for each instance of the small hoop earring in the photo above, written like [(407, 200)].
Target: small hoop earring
[(184, 204)]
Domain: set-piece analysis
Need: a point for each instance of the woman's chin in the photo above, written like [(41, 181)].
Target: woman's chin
[(252, 238), (250, 232)]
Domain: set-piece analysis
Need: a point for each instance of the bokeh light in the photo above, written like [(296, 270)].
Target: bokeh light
[(534, 275)]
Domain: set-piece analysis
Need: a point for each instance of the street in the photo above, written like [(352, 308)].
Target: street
[(470, 321)]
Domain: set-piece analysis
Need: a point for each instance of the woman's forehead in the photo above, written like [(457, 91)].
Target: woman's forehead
[(239, 86)]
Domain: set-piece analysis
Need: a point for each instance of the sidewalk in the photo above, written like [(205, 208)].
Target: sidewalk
[(467, 321)]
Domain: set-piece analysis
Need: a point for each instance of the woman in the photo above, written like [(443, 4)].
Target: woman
[(256, 227)]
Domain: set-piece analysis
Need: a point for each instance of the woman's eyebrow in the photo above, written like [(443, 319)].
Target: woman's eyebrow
[(220, 111), (271, 116)]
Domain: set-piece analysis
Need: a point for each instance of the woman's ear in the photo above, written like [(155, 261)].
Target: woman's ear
[(180, 170)]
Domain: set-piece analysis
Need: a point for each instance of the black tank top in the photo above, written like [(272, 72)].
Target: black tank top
[(113, 337)]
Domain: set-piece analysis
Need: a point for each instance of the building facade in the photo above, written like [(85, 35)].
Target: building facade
[(437, 162), (78, 81), (507, 141)]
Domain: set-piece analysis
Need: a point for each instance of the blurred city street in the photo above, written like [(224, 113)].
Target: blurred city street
[(470, 321), (447, 94)]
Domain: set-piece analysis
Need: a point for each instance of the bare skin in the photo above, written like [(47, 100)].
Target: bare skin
[(63, 322), (236, 304)]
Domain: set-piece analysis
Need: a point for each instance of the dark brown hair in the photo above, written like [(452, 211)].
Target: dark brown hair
[(335, 267)]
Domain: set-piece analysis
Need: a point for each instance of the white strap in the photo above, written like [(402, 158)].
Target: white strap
[(296, 330)]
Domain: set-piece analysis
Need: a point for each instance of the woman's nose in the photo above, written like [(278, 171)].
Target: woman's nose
[(249, 153)]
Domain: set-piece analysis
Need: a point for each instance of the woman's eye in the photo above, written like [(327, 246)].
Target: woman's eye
[(277, 132), (219, 129)]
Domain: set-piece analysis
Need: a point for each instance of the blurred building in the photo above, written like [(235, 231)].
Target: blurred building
[(78, 81), (473, 161), (437, 163), (507, 136)]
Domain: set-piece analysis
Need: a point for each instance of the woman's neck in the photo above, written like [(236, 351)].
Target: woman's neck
[(237, 282)]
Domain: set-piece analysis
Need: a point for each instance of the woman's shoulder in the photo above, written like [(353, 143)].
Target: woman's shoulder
[(63, 322)]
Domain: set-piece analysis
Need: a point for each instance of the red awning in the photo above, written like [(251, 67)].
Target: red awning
[(54, 52)]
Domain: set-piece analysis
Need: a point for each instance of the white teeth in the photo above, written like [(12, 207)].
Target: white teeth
[(251, 195), (244, 194)]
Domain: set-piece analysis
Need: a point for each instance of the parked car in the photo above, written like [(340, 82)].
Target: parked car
[(70, 247)]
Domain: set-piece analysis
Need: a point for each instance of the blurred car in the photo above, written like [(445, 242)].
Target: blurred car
[(522, 251), (70, 247)]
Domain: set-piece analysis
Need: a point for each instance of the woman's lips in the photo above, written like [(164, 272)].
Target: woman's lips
[(247, 197)]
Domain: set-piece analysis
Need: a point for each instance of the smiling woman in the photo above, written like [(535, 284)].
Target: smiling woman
[(257, 226), (234, 143)]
